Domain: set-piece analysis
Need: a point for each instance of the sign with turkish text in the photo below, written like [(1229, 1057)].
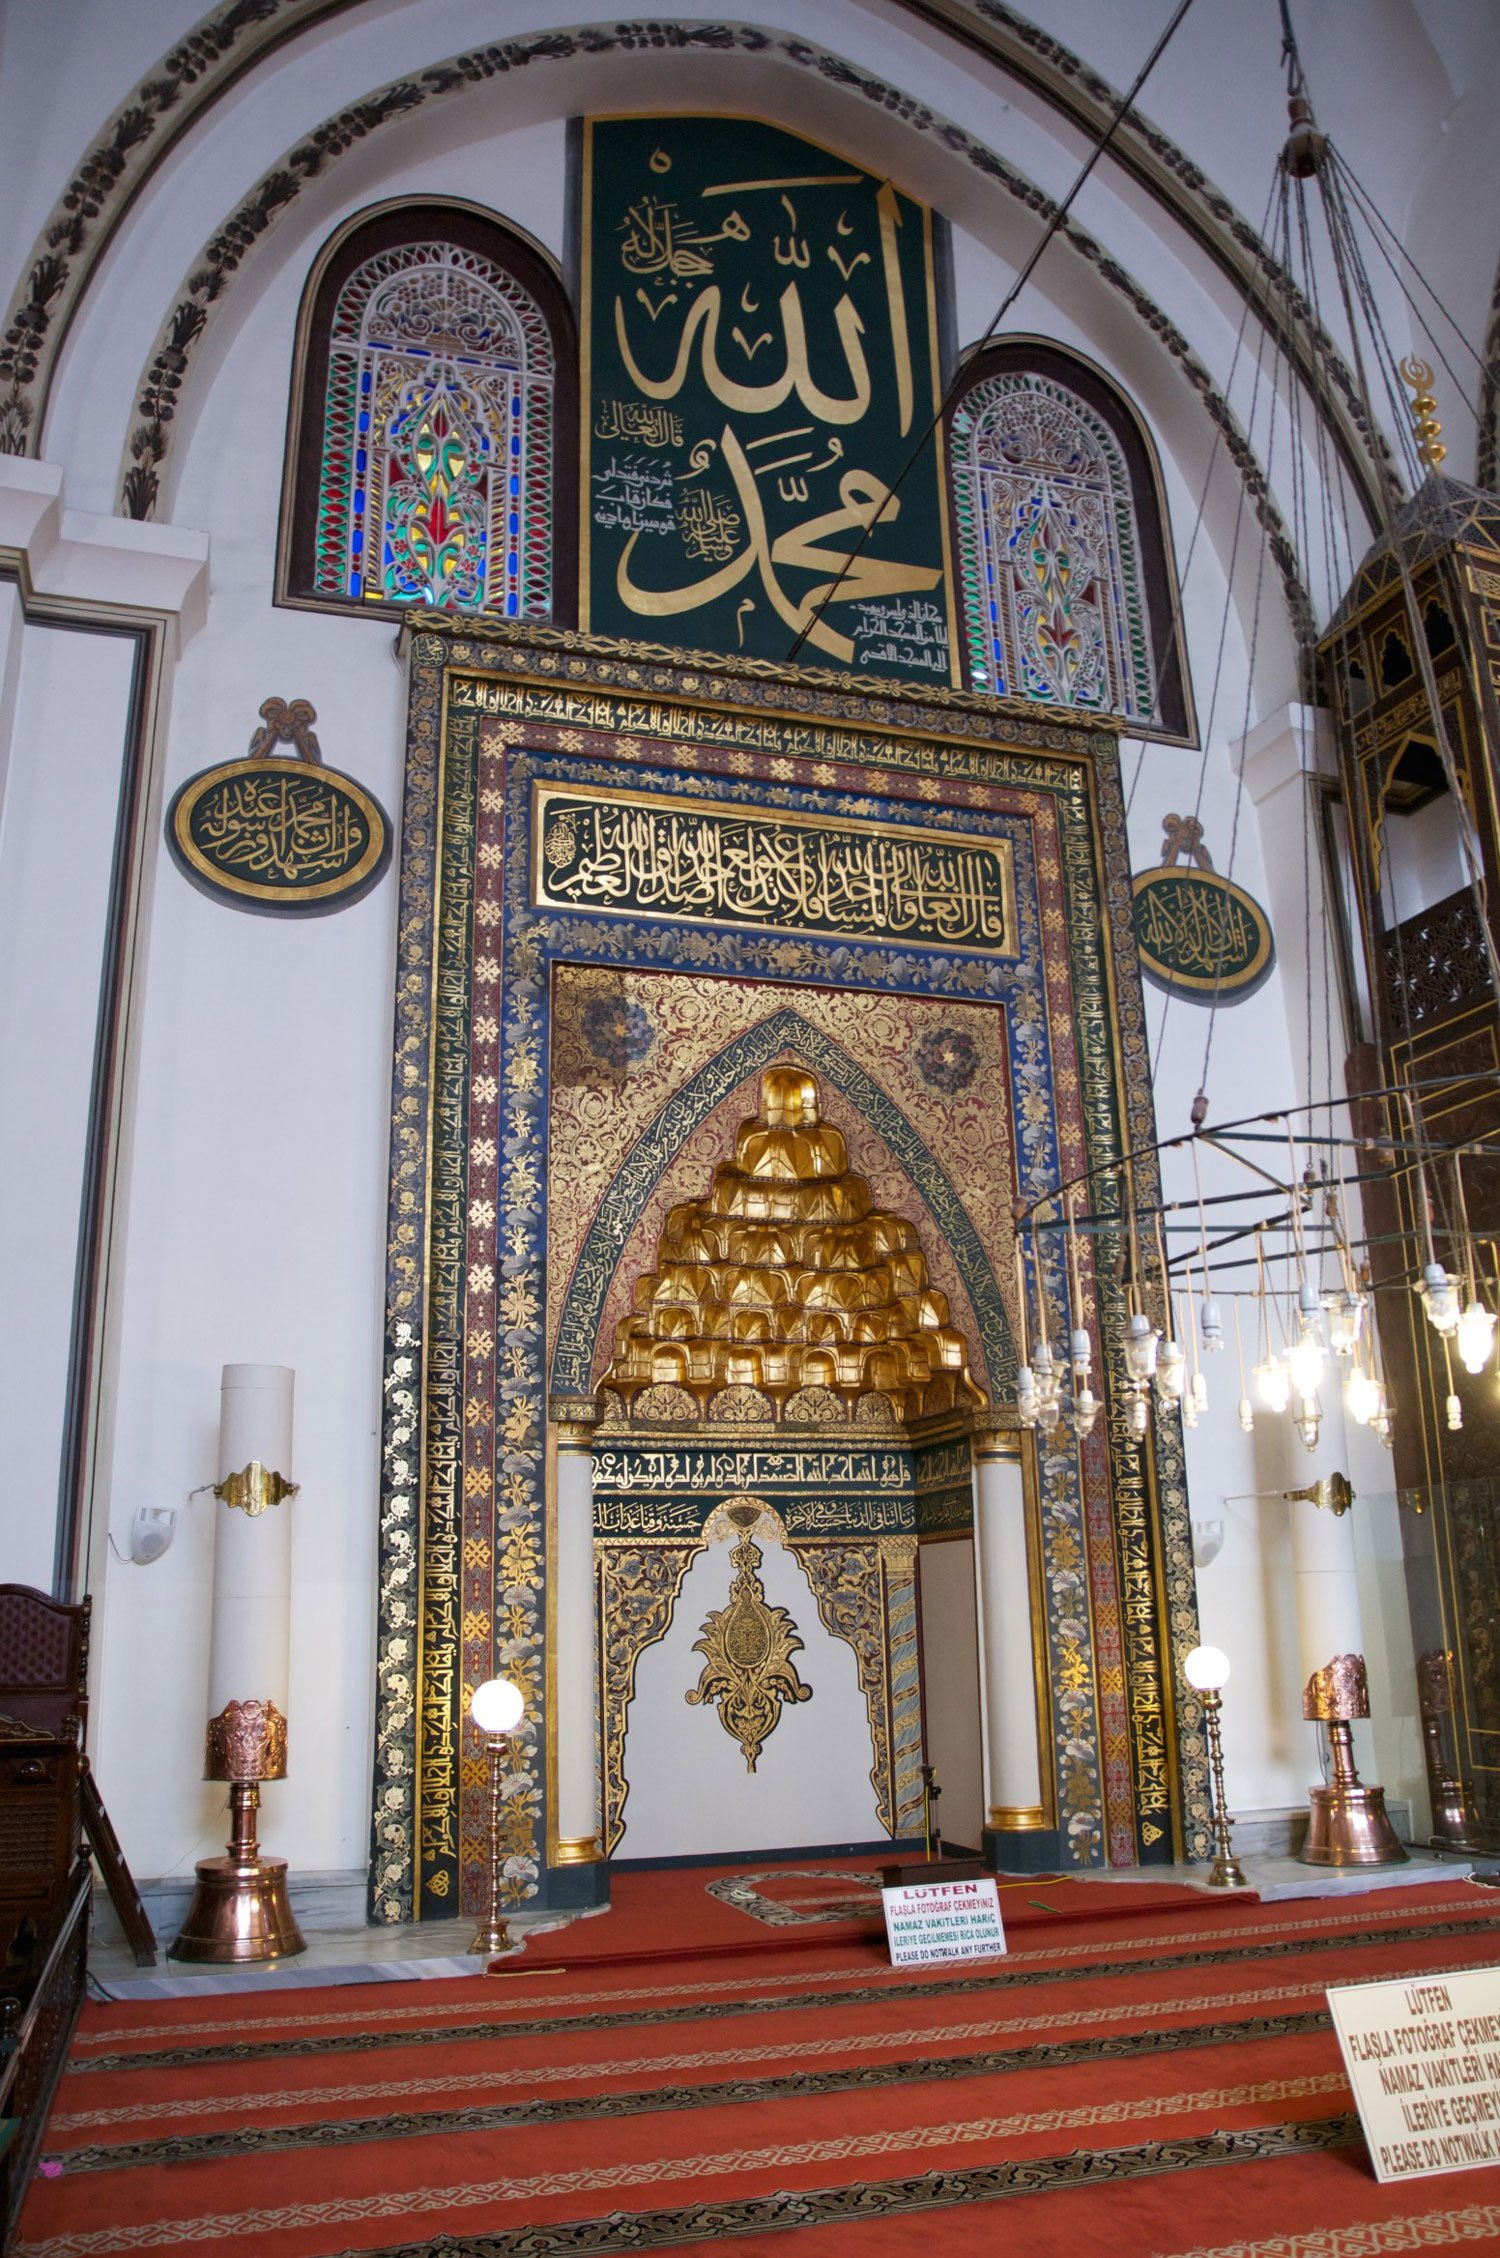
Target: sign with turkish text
[(935, 1921), (761, 469), (1424, 2060)]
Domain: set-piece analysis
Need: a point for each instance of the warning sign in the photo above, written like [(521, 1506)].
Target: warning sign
[(943, 1921), (1424, 2061)]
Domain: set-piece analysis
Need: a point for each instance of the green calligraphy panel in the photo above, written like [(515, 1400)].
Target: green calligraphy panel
[(760, 469)]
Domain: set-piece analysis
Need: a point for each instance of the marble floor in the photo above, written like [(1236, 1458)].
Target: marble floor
[(440, 1948)]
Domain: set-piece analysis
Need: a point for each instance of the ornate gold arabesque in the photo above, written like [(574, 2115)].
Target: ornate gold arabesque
[(787, 1278), (749, 1646)]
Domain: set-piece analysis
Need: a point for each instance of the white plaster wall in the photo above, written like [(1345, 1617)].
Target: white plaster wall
[(690, 1792), (950, 1686), (255, 1189), (68, 711)]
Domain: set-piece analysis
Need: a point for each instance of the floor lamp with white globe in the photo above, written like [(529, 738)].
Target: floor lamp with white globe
[(496, 1708), (1207, 1672)]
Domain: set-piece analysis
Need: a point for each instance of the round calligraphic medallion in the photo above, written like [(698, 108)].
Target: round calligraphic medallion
[(1200, 935), (287, 837)]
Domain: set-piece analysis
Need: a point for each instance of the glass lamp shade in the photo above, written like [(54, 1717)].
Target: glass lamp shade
[(1346, 1312), (1275, 1386), (1171, 1372), (1440, 1299), (1475, 1337), (1206, 1669), (1362, 1396), (1141, 1339), (1304, 1361), (497, 1706)]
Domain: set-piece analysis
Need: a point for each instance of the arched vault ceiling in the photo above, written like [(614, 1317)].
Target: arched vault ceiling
[(200, 71), (196, 74), (183, 331)]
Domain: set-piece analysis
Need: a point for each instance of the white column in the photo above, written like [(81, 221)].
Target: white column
[(577, 1676), (250, 1648), (1007, 1674), (1325, 1581)]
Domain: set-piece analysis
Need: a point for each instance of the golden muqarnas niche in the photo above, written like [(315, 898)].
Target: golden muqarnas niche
[(749, 1646), (787, 1278)]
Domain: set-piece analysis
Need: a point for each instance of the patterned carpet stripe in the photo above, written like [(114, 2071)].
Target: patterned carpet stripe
[(624, 2231), (1418, 2230), (738, 2093), (593, 2180), (1040, 2056), (1023, 1956), (703, 2010)]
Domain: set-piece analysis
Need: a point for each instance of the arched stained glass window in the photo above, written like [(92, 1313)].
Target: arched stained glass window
[(434, 398), (1060, 541)]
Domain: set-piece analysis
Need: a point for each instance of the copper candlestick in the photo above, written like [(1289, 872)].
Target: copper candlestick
[(493, 1932), (1349, 1825), (1227, 1872), (241, 1910)]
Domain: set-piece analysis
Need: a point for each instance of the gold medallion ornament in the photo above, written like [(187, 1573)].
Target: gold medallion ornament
[(278, 832), (1200, 935), (749, 1646)]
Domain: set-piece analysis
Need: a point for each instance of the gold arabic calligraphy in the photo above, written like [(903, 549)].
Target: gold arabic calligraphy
[(1198, 931), (697, 335), (720, 863), (282, 828)]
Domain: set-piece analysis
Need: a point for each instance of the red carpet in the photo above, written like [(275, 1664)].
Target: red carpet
[(674, 1912), (1157, 2082)]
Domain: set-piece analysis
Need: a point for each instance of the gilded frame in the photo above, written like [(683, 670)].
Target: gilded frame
[(466, 1445)]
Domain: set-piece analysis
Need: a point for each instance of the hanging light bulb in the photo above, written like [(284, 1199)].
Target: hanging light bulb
[(1455, 1412), (1474, 1337), (1211, 1327), (1198, 1393), (1189, 1410), (1138, 1417), (1308, 1421), (1247, 1415), (1171, 1371), (1362, 1396), (1081, 1355), (1084, 1413), (1440, 1299), (1304, 1363), (1141, 1339), (1305, 1355), (1274, 1383), (1026, 1397), (1346, 1313)]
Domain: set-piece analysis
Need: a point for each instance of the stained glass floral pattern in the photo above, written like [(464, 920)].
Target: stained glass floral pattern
[(436, 483), (1054, 602)]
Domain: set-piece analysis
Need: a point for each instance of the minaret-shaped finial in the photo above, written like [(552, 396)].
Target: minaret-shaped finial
[(1430, 448)]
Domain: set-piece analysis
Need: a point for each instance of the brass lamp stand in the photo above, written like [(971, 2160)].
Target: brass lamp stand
[(496, 1708), (240, 1910), (1206, 1671), (1349, 1825)]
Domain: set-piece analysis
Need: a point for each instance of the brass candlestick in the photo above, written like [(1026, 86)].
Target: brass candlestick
[(496, 1708), (1206, 1671)]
